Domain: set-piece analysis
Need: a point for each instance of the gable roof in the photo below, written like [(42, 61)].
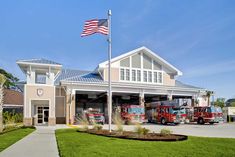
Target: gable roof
[(40, 61), (147, 51), (183, 85)]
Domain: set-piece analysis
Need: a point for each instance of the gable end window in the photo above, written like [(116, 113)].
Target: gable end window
[(138, 75), (122, 73), (159, 77), (145, 76), (155, 77), (127, 74), (133, 75), (150, 76), (40, 78)]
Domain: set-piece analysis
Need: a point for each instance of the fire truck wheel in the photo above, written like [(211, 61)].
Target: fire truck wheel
[(200, 121), (163, 121)]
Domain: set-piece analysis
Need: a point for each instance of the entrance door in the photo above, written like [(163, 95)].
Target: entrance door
[(45, 116)]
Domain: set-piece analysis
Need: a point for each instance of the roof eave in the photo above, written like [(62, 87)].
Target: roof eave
[(38, 64), (178, 72)]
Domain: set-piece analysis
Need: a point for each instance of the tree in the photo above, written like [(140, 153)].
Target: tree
[(208, 95), (220, 102), (2, 81), (10, 80), (232, 104)]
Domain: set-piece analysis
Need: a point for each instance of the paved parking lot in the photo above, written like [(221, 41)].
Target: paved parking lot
[(217, 130)]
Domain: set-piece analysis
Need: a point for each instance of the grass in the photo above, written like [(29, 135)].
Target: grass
[(11, 137), (72, 143)]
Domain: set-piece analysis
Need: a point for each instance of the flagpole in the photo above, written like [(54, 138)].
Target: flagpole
[(110, 56)]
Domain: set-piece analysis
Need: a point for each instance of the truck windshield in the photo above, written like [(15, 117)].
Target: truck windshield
[(136, 110), (218, 109), (177, 111), (212, 109)]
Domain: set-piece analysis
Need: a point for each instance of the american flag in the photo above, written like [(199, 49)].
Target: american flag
[(95, 26)]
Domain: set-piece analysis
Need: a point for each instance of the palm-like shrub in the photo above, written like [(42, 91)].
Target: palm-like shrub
[(165, 132), (117, 120), (2, 81)]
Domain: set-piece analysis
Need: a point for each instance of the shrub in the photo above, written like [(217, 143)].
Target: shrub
[(12, 117), (117, 120), (138, 129), (84, 122), (97, 127), (145, 131), (165, 132)]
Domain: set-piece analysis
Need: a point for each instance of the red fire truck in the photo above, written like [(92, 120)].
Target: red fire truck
[(168, 112), (94, 116), (207, 114), (133, 113)]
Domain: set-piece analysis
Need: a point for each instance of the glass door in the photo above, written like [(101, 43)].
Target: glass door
[(40, 115), (45, 115)]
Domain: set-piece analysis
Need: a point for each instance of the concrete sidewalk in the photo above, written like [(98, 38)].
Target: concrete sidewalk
[(40, 143)]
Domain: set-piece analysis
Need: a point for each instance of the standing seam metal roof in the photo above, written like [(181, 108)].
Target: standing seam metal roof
[(40, 61), (75, 75)]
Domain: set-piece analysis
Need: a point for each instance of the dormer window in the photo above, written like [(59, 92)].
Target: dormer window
[(40, 78)]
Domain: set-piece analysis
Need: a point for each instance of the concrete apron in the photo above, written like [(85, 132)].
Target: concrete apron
[(41, 142)]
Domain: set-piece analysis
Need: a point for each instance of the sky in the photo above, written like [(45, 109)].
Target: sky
[(197, 37)]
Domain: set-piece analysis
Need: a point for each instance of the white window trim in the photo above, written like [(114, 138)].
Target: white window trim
[(141, 73)]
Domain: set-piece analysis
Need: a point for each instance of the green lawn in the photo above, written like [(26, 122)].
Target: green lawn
[(11, 137), (72, 143)]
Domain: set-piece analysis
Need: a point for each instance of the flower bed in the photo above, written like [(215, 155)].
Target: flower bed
[(134, 136)]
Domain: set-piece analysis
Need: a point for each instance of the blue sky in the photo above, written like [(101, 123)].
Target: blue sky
[(198, 37)]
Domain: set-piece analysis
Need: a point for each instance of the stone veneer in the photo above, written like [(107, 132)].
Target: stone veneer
[(28, 121), (52, 121)]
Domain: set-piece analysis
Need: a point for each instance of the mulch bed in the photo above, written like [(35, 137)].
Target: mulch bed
[(134, 136)]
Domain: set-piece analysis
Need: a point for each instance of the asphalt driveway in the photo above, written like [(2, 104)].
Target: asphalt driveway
[(224, 130)]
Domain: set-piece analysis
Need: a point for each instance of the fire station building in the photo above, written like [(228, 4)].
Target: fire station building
[(55, 95)]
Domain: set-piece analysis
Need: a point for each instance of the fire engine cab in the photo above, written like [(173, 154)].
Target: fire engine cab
[(165, 112), (94, 116), (133, 113)]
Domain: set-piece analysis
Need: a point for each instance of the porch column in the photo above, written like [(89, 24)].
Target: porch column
[(169, 95), (68, 102), (141, 99), (52, 119), (28, 120), (72, 109)]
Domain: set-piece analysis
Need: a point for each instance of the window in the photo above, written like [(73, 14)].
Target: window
[(133, 75), (145, 76), (40, 78), (138, 75), (159, 77), (125, 62), (127, 74), (155, 77), (149, 76), (122, 74)]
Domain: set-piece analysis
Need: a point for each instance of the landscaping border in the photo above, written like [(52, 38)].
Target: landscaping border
[(184, 137)]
